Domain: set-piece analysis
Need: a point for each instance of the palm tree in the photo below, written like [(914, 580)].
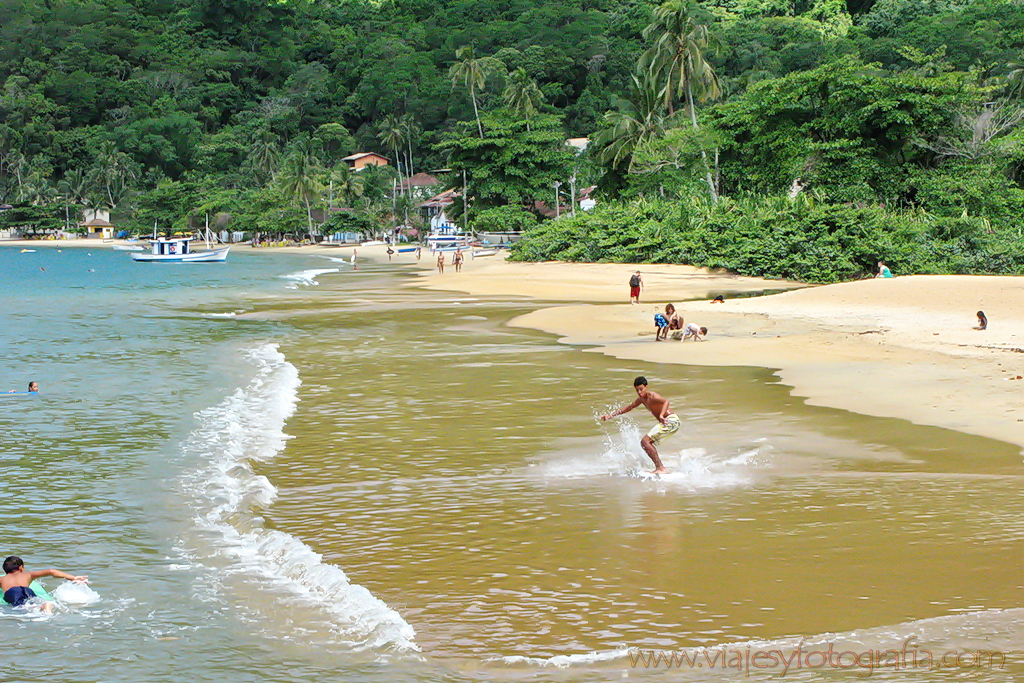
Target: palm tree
[(472, 72), (112, 173), (264, 154), (391, 131), (347, 184), (522, 95), (410, 130), (298, 177), (635, 122), (678, 58)]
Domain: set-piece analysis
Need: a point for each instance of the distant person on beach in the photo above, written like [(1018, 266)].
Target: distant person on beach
[(440, 262), (457, 260), (883, 270), (390, 252), (982, 321), (718, 299), (696, 333), (419, 251), (668, 422), (636, 284), (16, 579)]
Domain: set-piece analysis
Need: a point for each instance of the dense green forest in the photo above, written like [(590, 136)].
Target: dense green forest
[(801, 138)]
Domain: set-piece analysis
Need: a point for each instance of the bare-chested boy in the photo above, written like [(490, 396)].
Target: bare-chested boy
[(668, 422), (14, 584)]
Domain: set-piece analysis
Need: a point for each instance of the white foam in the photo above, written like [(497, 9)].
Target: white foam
[(692, 468), (307, 278), (71, 593), (565, 661), (248, 426)]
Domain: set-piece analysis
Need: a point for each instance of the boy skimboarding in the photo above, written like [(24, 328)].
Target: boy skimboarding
[(668, 422)]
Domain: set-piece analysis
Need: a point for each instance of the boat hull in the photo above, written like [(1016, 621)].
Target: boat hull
[(194, 257)]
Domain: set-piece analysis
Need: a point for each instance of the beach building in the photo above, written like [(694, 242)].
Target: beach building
[(578, 144), (360, 160), (433, 209), (420, 186), (97, 223)]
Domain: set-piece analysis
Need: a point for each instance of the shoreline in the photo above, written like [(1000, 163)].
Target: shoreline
[(900, 348)]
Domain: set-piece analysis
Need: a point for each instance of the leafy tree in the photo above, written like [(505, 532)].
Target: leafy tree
[(509, 164)]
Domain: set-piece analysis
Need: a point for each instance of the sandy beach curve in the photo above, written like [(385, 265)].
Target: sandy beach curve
[(904, 348)]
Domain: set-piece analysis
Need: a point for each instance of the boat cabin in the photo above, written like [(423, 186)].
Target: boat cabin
[(175, 246)]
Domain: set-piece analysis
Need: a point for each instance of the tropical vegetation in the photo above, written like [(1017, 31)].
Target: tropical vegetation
[(798, 138)]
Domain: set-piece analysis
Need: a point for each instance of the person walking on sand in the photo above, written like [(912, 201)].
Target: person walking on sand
[(457, 260), (668, 422), (16, 580), (419, 251), (636, 284), (440, 262)]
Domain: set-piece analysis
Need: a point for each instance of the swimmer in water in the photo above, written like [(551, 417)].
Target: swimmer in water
[(668, 422), (16, 580)]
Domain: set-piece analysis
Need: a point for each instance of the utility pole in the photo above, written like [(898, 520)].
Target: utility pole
[(572, 186), (558, 184), (465, 202)]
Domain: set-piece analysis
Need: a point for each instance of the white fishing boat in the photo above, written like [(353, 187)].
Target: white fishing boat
[(178, 250), (447, 238), (127, 247)]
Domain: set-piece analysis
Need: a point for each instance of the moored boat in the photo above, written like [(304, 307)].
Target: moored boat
[(178, 250)]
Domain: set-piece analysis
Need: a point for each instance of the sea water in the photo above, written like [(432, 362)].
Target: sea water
[(277, 469)]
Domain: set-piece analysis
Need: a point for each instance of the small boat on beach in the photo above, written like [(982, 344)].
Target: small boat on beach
[(484, 252), (127, 247), (177, 250)]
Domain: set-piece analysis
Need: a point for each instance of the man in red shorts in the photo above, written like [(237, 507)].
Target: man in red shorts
[(636, 283)]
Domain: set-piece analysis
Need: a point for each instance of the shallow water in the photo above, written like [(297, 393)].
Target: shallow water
[(280, 471)]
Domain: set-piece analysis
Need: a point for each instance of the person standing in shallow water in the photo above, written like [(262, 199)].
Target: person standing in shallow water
[(668, 422)]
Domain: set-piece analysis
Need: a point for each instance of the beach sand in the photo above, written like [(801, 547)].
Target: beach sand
[(902, 347)]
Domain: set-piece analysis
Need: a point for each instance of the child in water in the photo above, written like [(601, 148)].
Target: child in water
[(16, 580)]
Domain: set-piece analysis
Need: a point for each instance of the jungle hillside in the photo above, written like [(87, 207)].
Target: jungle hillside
[(784, 138)]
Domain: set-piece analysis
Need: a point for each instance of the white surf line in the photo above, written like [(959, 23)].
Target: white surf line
[(248, 426)]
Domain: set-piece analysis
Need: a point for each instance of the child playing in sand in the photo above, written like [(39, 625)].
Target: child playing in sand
[(982, 321), (697, 333), (660, 327)]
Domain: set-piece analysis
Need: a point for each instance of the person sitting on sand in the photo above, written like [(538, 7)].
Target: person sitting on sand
[(883, 270), (668, 422), (660, 327), (696, 333), (718, 299), (16, 580), (982, 321)]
